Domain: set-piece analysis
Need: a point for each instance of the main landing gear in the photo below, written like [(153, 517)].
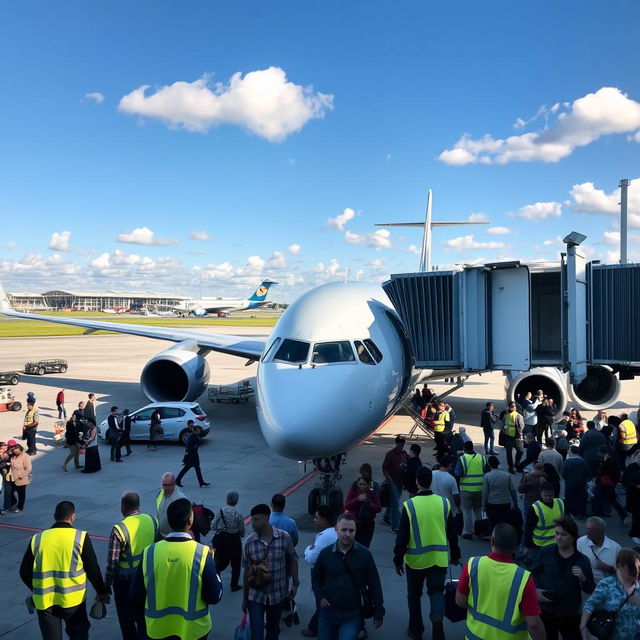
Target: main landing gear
[(327, 490)]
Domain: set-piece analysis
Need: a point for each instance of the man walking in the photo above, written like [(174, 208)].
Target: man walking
[(498, 494), (532, 452), (512, 429), (413, 464), (280, 520), (72, 437), (126, 432), (30, 428), (128, 539), (488, 419), (62, 412), (342, 572), (168, 494), (176, 581), (576, 474), (393, 469), (191, 456), (499, 595), (426, 539), (470, 470), (271, 548), (114, 435), (55, 567)]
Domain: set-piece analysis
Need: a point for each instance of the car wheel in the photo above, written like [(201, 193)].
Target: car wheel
[(63, 368), (184, 435), (14, 380), (16, 406), (41, 371)]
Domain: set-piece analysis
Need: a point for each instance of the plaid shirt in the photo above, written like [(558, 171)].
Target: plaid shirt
[(280, 556), (116, 546)]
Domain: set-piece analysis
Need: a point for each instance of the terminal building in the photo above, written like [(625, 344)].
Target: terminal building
[(74, 300)]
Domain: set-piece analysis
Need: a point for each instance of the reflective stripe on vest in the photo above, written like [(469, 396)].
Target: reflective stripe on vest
[(428, 545), (510, 424), (173, 580), (59, 577), (472, 472), (495, 594), (138, 532), (630, 435), (442, 417), (544, 531), (159, 499)]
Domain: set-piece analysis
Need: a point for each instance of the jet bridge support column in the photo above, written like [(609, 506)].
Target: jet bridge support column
[(575, 314)]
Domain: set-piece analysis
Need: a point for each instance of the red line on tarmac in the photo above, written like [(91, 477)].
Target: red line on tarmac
[(19, 528)]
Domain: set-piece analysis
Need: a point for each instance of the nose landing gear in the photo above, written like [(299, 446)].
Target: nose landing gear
[(327, 490)]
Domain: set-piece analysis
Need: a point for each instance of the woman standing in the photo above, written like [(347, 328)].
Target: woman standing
[(619, 595), (5, 466), (363, 502), (20, 470), (92, 455), (155, 430), (228, 529)]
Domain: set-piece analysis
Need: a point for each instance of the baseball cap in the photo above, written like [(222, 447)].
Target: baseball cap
[(11, 443)]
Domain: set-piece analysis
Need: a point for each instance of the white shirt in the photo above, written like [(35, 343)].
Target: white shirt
[(444, 484), (163, 522), (607, 554), (323, 539)]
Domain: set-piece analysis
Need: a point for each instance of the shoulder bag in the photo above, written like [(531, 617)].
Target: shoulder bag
[(602, 623), (220, 539), (259, 572), (367, 606)]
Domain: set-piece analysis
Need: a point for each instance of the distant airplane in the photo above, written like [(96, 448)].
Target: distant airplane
[(427, 225), (116, 310), (222, 306)]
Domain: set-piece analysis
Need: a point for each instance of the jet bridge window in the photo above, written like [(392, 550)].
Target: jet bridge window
[(363, 355), (327, 352), (293, 351)]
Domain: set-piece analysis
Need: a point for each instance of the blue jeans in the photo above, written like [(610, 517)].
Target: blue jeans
[(257, 620), (489, 439), (435, 577), (392, 512), (338, 625)]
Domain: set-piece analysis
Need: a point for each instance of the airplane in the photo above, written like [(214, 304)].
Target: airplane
[(222, 306), (116, 310), (341, 347)]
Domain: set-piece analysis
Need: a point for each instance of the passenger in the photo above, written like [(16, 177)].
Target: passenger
[(600, 419), (513, 425), (601, 550), (562, 443), (605, 486), (442, 427), (326, 535), (499, 495), (367, 474), (263, 598), (191, 459), (546, 412), (91, 455), (551, 456), (529, 406), (89, 409), (589, 447), (126, 431), (488, 419), (631, 482), (363, 504), (532, 452), (20, 473), (627, 438), (492, 612), (470, 470), (156, 432), (443, 483), (540, 516), (393, 468), (575, 472), (342, 571), (72, 437), (562, 574), (531, 483), (413, 464), (228, 531), (114, 435), (128, 539), (5, 467), (427, 395), (62, 412), (281, 520), (168, 494)]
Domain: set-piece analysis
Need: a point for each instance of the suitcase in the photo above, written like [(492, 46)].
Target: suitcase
[(482, 528), (452, 611)]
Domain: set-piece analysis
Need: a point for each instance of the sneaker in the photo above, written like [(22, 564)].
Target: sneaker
[(3, 511), (205, 484), (16, 510), (467, 536), (492, 453)]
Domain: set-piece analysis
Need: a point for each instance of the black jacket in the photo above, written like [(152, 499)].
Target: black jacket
[(402, 539), (589, 448), (413, 464), (72, 433), (488, 419), (531, 455)]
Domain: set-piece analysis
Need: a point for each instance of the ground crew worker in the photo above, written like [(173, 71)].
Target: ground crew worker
[(513, 426), (127, 541), (440, 428), (487, 587), (539, 528), (177, 581), (470, 470), (56, 566), (426, 539), (627, 438)]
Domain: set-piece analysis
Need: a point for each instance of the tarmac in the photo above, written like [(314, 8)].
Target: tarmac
[(234, 456)]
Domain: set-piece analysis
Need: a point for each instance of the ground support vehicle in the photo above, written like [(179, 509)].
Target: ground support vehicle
[(40, 367), (8, 401), (235, 393), (9, 377)]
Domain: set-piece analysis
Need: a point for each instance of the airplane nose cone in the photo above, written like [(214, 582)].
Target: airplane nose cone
[(313, 413)]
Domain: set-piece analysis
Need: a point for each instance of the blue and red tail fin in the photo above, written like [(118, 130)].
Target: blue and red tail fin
[(260, 294)]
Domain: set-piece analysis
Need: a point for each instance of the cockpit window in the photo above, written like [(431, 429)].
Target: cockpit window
[(325, 352), (269, 351), (363, 355), (293, 351), (375, 352)]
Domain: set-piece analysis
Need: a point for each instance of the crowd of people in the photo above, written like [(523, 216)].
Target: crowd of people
[(540, 579)]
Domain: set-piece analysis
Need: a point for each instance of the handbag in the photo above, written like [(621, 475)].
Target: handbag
[(452, 611), (385, 493), (259, 572), (602, 622), (367, 607), (243, 630)]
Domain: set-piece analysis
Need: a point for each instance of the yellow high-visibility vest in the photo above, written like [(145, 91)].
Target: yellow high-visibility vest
[(472, 472), (495, 594), (544, 532), (629, 435), (59, 577), (138, 532), (428, 545), (173, 581), (510, 424), (442, 417)]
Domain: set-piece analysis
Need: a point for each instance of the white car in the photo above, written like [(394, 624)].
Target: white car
[(173, 417)]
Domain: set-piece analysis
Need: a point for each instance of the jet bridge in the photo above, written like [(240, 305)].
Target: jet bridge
[(512, 317)]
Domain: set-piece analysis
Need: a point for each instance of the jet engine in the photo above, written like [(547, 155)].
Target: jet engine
[(599, 390), (199, 312), (177, 374)]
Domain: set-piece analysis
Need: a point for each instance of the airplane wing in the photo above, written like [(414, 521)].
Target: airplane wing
[(232, 345), (421, 224)]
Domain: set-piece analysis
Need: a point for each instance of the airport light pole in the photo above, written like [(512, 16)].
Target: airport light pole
[(624, 188)]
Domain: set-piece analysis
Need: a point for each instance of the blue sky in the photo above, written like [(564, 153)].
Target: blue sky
[(358, 107)]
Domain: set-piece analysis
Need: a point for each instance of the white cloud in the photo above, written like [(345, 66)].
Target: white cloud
[(264, 102), (413, 249), (143, 235), (607, 111), (294, 248), (469, 242), (340, 221), (539, 211), (60, 241), (586, 198), (478, 217), (611, 237), (201, 236), (498, 231), (103, 261), (9, 245), (379, 239), (277, 260), (96, 96)]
